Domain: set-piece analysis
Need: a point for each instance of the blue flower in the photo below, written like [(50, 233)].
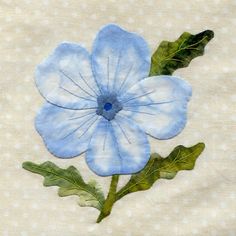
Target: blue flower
[(105, 104)]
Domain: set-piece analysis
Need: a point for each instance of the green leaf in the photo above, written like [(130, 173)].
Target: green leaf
[(171, 56), (181, 158), (70, 182)]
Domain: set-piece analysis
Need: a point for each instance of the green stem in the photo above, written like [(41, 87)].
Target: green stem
[(110, 200)]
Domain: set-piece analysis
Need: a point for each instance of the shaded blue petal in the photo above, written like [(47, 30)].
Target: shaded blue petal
[(65, 78), (118, 147), (66, 133), (119, 59), (159, 105)]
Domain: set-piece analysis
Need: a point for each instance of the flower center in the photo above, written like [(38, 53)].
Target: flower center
[(108, 106)]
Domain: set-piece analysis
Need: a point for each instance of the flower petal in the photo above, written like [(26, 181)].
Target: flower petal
[(65, 132), (119, 59), (159, 105), (65, 78), (118, 147)]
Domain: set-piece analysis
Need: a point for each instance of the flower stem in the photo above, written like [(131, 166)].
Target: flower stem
[(110, 200)]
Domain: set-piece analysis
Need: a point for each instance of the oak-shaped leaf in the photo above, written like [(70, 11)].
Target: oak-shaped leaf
[(171, 56), (70, 182), (181, 158)]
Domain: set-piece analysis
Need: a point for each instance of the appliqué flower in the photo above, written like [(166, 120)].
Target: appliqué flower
[(105, 104)]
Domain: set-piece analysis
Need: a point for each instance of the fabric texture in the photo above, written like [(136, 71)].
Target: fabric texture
[(198, 202), (116, 144)]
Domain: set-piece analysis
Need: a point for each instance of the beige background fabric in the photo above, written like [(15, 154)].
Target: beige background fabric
[(199, 202)]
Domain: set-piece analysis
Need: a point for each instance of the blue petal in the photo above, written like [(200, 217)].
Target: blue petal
[(159, 105), (65, 78), (117, 147), (66, 133), (119, 59)]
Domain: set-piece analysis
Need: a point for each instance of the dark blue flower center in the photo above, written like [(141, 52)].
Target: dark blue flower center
[(108, 106)]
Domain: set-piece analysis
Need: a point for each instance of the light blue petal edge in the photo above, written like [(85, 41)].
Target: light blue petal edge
[(145, 53), (40, 131), (185, 88), (50, 60), (125, 169)]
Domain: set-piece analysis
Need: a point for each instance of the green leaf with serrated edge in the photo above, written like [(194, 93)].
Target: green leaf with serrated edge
[(70, 182), (171, 56), (181, 158)]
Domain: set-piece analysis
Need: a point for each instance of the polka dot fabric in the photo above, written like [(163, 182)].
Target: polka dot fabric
[(200, 202)]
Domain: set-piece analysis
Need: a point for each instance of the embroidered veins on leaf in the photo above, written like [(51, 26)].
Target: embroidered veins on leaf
[(105, 104)]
